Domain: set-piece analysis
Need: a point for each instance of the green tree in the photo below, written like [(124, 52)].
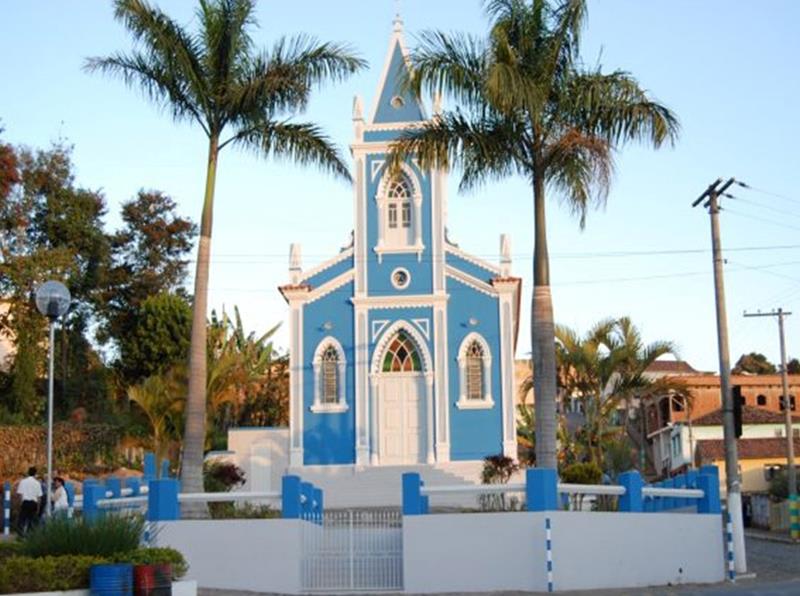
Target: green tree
[(527, 106), (149, 257), (793, 366), (159, 339), (215, 78), (50, 228), (754, 364)]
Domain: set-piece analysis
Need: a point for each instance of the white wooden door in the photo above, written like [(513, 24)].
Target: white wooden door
[(402, 428)]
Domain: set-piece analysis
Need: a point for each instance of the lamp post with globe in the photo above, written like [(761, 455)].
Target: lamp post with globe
[(52, 300)]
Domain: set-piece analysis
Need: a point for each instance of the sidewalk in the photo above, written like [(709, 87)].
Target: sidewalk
[(782, 537)]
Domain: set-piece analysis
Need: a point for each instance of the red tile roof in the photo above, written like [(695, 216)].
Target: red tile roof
[(750, 415), (672, 366), (714, 449)]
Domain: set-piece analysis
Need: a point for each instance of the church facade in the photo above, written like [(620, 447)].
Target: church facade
[(402, 345)]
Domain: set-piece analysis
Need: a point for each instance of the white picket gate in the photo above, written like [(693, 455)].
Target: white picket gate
[(354, 550)]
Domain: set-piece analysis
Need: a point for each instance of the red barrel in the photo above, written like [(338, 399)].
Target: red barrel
[(152, 580)]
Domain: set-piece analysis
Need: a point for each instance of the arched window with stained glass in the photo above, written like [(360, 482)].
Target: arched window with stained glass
[(401, 355), (475, 373), (329, 377)]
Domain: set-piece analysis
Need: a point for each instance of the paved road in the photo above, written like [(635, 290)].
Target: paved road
[(776, 565)]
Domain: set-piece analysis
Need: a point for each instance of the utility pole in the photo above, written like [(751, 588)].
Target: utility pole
[(710, 200), (787, 408)]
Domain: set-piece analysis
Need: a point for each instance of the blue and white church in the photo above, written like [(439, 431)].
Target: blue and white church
[(402, 345)]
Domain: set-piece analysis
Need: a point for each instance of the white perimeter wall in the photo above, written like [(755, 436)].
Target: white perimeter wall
[(248, 554), (506, 551)]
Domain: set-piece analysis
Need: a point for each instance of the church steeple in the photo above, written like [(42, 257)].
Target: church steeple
[(393, 102)]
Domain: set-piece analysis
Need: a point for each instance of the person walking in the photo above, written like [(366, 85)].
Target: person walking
[(59, 497), (29, 490)]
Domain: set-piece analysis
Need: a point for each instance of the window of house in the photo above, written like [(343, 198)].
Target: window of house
[(792, 403), (329, 377), (761, 400), (677, 404), (475, 365), (402, 355)]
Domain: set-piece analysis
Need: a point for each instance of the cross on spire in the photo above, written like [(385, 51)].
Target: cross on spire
[(397, 23)]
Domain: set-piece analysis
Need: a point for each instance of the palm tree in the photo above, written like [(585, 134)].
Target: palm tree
[(215, 78), (527, 106)]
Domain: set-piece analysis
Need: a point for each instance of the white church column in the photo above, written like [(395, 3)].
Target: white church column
[(429, 416), (374, 438), (418, 222), (295, 294), (506, 288), (362, 388), (441, 395)]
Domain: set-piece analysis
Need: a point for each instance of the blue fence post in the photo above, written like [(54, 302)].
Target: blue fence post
[(6, 508), (669, 502), (541, 489), (426, 504), (115, 486), (632, 499), (149, 467), (306, 499), (412, 494), (92, 492), (708, 482), (162, 500), (680, 482), (165, 468), (318, 504), (290, 497), (69, 487), (135, 485)]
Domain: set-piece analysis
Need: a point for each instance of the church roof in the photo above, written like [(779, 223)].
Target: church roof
[(394, 103)]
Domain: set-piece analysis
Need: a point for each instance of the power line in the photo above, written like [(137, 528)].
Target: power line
[(761, 219), (760, 206), (767, 192)]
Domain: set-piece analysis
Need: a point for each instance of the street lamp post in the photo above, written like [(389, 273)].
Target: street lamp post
[(52, 300)]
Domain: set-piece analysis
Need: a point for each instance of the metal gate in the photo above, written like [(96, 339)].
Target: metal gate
[(354, 550)]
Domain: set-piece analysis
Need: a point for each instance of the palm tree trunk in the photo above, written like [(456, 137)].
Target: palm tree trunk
[(543, 337), (195, 427)]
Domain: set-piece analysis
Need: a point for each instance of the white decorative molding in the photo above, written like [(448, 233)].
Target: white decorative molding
[(471, 281), (388, 126), (345, 254), (507, 376), (400, 272), (331, 286), (296, 384), (377, 327), (341, 404), (464, 403), (473, 259), (442, 390), (381, 250), (402, 301), (424, 326), (416, 337)]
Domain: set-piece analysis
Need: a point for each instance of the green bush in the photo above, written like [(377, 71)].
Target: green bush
[(244, 511), (45, 574), (104, 536), (71, 572), (9, 549), (582, 473)]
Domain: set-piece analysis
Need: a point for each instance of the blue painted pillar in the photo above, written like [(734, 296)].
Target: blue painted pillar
[(669, 502), (632, 499), (6, 508), (680, 482), (541, 489), (318, 498), (162, 500), (708, 482), (412, 494), (306, 500), (290, 497), (92, 492), (135, 485), (164, 468), (426, 504), (115, 486), (149, 467)]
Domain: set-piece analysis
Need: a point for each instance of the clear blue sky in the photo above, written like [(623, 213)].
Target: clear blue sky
[(728, 69)]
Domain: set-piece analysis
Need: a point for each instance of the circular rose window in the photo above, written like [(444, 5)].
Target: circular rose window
[(397, 102), (400, 278)]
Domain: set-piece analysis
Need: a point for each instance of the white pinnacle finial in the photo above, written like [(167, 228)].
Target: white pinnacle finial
[(358, 108), (505, 255), (295, 263), (397, 23)]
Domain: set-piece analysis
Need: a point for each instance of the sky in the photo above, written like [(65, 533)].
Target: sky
[(728, 69)]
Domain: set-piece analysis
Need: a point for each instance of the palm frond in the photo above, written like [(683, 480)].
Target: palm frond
[(301, 143)]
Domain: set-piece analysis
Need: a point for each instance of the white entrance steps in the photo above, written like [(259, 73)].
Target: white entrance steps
[(380, 486)]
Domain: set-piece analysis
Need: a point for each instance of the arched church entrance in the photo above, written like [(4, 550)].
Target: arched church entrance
[(400, 433)]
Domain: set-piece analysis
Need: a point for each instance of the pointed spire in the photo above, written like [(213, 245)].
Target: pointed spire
[(358, 108), (397, 23), (295, 263), (505, 255)]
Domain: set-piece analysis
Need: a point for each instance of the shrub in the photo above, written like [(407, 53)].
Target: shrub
[(105, 536), (45, 574), (779, 486), (155, 556), (244, 511), (9, 549), (221, 477), (71, 572), (581, 473), (498, 469)]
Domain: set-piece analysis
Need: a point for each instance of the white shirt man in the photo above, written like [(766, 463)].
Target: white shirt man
[(30, 491)]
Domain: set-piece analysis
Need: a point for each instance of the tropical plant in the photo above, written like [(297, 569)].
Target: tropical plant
[(526, 434), (105, 536), (754, 363), (161, 398), (498, 469), (215, 78), (526, 105)]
